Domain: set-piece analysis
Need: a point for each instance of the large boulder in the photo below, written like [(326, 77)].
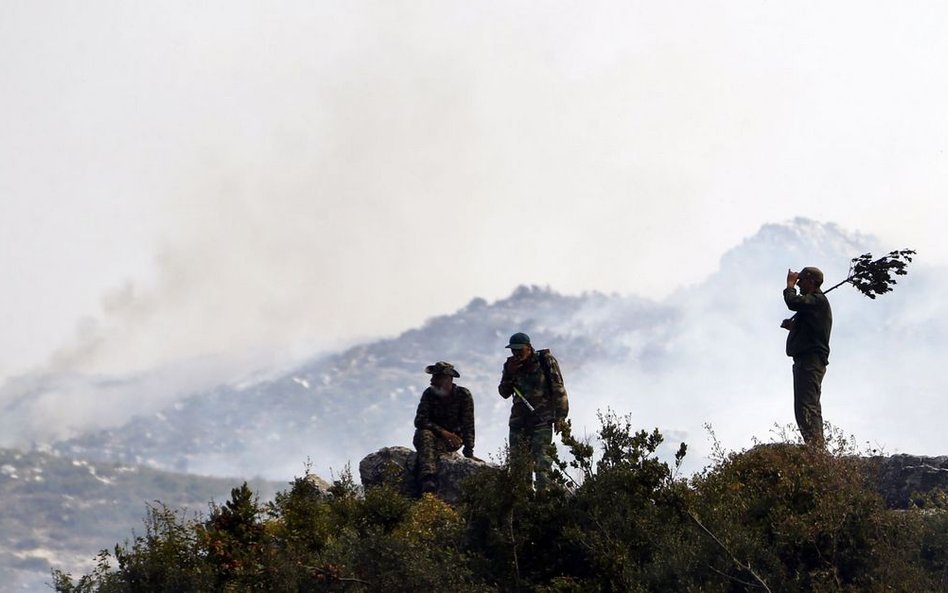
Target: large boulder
[(901, 478), (396, 465)]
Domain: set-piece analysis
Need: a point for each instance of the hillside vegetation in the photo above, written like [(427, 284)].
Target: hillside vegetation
[(779, 517), (55, 508)]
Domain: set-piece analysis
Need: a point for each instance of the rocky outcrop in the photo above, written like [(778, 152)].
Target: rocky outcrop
[(320, 486), (900, 479), (396, 465)]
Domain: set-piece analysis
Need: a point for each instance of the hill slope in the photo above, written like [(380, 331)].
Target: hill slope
[(709, 353), (58, 512)]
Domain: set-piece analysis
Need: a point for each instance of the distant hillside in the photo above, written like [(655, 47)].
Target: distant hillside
[(711, 353), (58, 512), (336, 408)]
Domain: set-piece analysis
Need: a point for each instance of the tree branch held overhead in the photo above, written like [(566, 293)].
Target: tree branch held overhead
[(873, 277)]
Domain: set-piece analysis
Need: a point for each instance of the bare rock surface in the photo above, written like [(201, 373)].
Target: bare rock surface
[(396, 465), (902, 478)]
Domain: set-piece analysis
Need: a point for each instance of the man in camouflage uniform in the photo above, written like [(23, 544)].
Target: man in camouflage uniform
[(444, 422), (808, 344), (537, 377)]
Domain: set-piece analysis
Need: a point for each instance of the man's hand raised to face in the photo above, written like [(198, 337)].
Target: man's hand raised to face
[(792, 278)]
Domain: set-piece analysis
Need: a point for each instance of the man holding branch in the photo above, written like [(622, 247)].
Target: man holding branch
[(808, 345)]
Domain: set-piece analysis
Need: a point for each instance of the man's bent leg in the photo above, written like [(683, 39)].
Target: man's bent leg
[(426, 444)]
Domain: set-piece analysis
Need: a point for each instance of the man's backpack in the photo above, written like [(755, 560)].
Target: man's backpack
[(554, 382)]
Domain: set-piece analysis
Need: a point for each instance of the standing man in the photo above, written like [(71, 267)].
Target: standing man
[(540, 403), (444, 422), (808, 344)]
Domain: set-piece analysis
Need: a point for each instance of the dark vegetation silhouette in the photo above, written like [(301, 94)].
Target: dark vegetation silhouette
[(777, 517), (873, 277)]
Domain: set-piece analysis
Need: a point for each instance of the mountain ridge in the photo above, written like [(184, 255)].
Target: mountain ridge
[(334, 408), (710, 353)]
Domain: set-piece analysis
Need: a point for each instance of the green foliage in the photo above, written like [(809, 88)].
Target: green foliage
[(166, 559), (623, 508), (804, 518), (234, 543), (778, 517), (932, 511)]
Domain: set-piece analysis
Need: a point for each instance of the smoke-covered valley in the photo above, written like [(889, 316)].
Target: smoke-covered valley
[(711, 353)]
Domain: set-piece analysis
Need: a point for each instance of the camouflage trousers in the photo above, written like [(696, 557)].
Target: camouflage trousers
[(530, 449), (429, 447), (808, 372)]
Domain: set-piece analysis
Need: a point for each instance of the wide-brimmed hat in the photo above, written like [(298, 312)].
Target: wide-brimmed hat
[(442, 368)]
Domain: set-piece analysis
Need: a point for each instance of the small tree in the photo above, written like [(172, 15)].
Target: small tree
[(234, 539)]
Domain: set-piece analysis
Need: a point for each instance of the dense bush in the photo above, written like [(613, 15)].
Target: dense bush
[(798, 519), (778, 517)]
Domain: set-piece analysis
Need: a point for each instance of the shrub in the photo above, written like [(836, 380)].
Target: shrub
[(801, 519), (778, 517)]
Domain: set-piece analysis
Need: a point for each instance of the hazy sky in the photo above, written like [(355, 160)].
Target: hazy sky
[(192, 178)]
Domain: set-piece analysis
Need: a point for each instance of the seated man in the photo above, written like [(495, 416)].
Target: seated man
[(443, 423)]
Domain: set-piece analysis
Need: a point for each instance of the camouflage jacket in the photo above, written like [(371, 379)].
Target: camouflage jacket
[(543, 388), (454, 413), (812, 324)]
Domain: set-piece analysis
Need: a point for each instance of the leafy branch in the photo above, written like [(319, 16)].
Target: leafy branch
[(873, 277)]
